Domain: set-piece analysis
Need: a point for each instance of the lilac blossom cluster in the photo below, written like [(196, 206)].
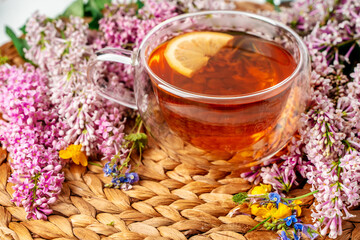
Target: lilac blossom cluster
[(304, 15), (327, 151), (32, 133), (63, 50), (125, 27)]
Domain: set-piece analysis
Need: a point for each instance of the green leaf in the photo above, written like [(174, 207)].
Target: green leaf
[(75, 9), (133, 137), (138, 139), (19, 43), (93, 9), (139, 4), (3, 59), (95, 13), (23, 29), (240, 197), (272, 2), (101, 3), (94, 24)]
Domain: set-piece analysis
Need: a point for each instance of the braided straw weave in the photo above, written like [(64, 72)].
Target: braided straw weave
[(173, 200)]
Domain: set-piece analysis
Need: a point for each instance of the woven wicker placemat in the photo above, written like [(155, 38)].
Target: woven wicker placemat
[(173, 200)]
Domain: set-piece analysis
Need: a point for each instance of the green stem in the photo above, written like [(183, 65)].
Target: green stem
[(347, 145), (127, 160), (95, 164), (137, 122), (258, 196), (139, 127), (138, 131), (346, 42), (300, 197), (264, 221)]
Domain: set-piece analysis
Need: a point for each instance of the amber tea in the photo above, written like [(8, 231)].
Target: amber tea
[(221, 64)]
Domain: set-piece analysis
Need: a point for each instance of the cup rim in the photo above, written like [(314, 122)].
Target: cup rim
[(303, 52)]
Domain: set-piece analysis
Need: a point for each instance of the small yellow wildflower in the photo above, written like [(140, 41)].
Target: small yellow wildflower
[(283, 211), (263, 211), (270, 209), (262, 189), (297, 207), (74, 152)]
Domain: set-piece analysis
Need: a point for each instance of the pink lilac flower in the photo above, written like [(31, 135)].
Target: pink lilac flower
[(31, 134), (123, 27), (63, 51), (327, 149)]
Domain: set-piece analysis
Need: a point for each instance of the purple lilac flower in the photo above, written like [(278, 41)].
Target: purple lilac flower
[(303, 15), (32, 135), (122, 27), (326, 151), (61, 49)]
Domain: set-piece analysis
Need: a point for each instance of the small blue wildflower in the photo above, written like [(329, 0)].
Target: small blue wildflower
[(289, 220), (108, 170), (296, 236), (275, 197), (299, 227), (132, 177), (114, 169), (284, 236), (118, 181)]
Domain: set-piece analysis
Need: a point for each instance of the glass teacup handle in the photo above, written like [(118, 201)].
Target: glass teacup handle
[(123, 96)]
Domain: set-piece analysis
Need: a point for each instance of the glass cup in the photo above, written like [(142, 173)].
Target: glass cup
[(213, 131)]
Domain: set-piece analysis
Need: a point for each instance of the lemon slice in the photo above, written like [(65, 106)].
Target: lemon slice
[(190, 52)]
